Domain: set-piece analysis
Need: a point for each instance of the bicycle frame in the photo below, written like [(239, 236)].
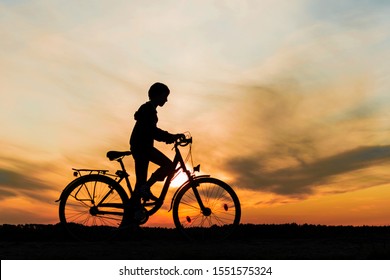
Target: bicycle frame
[(178, 165), (97, 200), (178, 160)]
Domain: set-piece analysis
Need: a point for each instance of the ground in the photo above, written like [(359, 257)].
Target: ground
[(271, 242)]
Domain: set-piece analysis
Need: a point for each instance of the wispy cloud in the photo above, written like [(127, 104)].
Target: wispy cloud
[(307, 178), (13, 184), (311, 114)]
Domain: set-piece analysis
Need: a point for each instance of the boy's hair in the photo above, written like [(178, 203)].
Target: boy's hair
[(157, 89)]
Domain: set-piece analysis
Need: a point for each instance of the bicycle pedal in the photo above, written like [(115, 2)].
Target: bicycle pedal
[(150, 197), (141, 216)]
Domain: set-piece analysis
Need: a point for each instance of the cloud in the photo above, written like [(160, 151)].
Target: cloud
[(13, 183), (304, 179), (310, 116)]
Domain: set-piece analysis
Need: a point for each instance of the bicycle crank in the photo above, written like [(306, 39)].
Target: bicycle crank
[(141, 216)]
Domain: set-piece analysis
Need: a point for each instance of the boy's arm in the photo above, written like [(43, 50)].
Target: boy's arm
[(147, 118), (164, 136)]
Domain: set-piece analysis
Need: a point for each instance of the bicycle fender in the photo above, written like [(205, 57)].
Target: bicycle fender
[(185, 184), (75, 181), (66, 188)]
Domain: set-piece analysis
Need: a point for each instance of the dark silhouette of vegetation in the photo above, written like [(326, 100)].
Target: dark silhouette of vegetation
[(286, 241)]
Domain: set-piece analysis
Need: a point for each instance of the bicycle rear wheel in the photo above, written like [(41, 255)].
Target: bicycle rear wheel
[(219, 217), (92, 208)]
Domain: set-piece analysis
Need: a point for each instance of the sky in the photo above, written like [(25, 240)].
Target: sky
[(287, 101)]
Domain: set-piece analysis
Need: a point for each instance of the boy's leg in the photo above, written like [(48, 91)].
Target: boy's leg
[(142, 186), (141, 170), (165, 164), (141, 162)]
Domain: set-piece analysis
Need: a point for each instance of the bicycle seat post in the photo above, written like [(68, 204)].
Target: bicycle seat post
[(124, 175), (121, 164)]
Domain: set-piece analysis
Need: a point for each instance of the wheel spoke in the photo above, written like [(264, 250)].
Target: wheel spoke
[(221, 214), (80, 213)]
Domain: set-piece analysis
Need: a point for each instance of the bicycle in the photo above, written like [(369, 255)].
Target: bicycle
[(94, 206)]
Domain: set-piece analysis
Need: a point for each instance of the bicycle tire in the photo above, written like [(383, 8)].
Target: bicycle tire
[(223, 215), (78, 211)]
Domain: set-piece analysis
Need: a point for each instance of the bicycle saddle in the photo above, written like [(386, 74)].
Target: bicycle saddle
[(114, 155)]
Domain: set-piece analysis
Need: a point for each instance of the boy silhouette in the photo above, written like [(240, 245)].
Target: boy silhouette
[(142, 138)]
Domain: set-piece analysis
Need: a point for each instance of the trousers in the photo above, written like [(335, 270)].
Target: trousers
[(142, 159)]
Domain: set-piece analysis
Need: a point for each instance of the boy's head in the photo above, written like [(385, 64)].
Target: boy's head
[(158, 93)]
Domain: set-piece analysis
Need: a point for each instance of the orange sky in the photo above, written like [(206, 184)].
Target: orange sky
[(287, 101)]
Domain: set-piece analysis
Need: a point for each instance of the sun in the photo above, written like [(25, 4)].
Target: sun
[(179, 180)]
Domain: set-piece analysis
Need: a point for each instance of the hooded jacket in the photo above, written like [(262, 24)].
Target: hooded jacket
[(145, 130)]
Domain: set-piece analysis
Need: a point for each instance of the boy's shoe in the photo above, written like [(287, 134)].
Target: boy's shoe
[(146, 194)]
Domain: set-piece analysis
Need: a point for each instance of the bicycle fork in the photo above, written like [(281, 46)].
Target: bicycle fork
[(194, 187), (206, 211)]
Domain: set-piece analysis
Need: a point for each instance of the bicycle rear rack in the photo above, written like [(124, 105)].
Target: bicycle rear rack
[(78, 172)]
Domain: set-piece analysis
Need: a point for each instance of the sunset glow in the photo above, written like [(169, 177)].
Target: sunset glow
[(287, 101)]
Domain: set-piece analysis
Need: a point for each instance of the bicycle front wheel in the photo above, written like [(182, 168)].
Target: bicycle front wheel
[(207, 208), (92, 208)]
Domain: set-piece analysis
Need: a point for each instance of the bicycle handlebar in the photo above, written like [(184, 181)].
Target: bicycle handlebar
[(183, 141)]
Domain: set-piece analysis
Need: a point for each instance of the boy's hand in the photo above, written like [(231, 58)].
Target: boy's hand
[(174, 137), (180, 136)]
